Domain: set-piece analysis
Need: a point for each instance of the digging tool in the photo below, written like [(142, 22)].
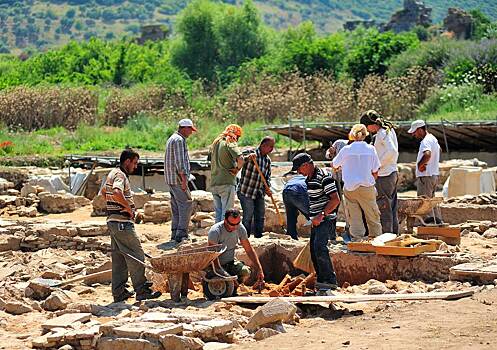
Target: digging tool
[(56, 283), (280, 218)]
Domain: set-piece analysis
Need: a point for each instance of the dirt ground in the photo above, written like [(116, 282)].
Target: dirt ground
[(463, 324)]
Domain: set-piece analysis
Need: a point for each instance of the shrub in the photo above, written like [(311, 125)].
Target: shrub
[(452, 98), (46, 107)]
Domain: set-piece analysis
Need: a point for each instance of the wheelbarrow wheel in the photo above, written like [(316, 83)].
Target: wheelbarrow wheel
[(218, 288)]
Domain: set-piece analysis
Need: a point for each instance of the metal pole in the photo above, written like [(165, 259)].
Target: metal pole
[(290, 155), (303, 130), (143, 175), (445, 136)]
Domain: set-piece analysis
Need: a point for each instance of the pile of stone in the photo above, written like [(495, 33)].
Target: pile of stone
[(61, 202), (11, 205), (5, 186), (32, 237), (154, 327), (478, 229), (481, 199)]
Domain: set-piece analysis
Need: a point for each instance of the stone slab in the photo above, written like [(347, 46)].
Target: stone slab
[(66, 320)]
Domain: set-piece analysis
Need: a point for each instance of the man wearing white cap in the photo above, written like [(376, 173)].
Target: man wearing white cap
[(427, 162), (176, 174)]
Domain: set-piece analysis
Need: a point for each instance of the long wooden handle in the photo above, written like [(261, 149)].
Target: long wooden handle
[(82, 278), (282, 223)]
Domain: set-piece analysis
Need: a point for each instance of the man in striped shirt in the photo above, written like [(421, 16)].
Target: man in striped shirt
[(323, 204), (123, 238), (251, 189), (176, 174)]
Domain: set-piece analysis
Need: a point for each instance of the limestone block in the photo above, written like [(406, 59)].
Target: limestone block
[(407, 176), (66, 320), (216, 346), (59, 300), (176, 342), (126, 344), (203, 201), (99, 205), (38, 291), (7, 200), (273, 311), (490, 233), (57, 203), (103, 279), (17, 308), (10, 243), (264, 333), (218, 326), (157, 211)]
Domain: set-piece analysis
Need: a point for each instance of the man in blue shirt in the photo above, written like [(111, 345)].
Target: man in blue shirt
[(296, 200)]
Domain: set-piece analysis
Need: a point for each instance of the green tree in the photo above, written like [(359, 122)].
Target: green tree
[(373, 51)]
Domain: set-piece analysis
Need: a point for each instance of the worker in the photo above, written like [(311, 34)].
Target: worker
[(177, 174), (226, 161), (323, 204), (123, 238), (251, 189), (229, 233), (427, 163), (296, 199), (360, 165), (387, 148)]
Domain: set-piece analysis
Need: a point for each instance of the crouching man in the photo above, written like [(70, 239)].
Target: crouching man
[(228, 233)]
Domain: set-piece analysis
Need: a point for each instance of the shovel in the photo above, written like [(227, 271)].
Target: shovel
[(280, 218), (57, 283)]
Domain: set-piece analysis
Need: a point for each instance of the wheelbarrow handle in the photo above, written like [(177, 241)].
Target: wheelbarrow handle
[(137, 260)]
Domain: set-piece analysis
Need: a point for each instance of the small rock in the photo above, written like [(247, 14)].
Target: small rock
[(346, 342), (378, 288), (66, 347), (490, 233), (177, 342), (58, 300), (17, 308), (273, 311), (216, 346), (264, 333), (38, 290)]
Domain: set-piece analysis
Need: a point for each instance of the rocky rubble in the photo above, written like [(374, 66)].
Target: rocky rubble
[(481, 199)]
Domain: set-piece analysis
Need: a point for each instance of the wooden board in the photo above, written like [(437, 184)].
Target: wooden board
[(349, 298), (406, 251), (450, 235), (364, 247)]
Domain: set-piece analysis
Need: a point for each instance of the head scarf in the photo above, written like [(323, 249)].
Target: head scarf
[(231, 134), (372, 117)]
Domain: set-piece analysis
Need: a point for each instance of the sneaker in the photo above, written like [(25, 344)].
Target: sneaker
[(125, 295), (322, 286), (147, 294)]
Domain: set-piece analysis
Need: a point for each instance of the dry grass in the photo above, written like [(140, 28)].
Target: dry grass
[(46, 107)]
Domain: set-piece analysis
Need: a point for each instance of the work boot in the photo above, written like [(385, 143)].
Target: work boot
[(125, 295), (147, 293), (322, 286)]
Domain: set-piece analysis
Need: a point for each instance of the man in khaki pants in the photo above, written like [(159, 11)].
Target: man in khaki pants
[(360, 164)]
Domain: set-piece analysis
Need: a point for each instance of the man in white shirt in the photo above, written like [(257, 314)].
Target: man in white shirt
[(387, 148), (360, 165), (427, 162)]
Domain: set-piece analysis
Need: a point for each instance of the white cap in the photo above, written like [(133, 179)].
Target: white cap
[(416, 125), (187, 123)]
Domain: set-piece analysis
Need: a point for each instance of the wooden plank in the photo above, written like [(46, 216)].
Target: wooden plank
[(349, 298), (405, 251), (454, 232)]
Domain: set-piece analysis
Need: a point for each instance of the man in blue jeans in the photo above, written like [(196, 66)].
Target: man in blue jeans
[(251, 189), (296, 200), (323, 204)]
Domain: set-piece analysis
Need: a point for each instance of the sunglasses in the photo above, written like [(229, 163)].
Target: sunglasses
[(232, 224)]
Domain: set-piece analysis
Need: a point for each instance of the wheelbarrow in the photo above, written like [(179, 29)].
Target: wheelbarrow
[(177, 267), (417, 208)]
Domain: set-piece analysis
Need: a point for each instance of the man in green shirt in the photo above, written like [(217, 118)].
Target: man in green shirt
[(226, 160)]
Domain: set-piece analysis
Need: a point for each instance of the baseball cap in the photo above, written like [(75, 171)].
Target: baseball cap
[(187, 123), (415, 125), (300, 159)]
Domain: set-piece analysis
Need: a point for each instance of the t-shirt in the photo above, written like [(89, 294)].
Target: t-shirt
[(387, 149), (219, 235), (117, 178), (320, 186), (358, 161), (429, 143), (223, 158), (296, 184)]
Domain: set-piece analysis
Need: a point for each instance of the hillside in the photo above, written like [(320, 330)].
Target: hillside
[(42, 24)]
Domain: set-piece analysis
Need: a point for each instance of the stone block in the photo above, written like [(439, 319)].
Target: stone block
[(59, 300), (17, 308), (176, 342), (216, 346), (66, 320), (264, 333), (10, 243), (273, 311), (203, 201), (159, 317), (490, 233), (157, 212), (103, 279), (218, 326), (126, 344), (57, 203), (162, 330)]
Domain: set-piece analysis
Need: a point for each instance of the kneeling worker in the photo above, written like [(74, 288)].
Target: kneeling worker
[(228, 233)]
